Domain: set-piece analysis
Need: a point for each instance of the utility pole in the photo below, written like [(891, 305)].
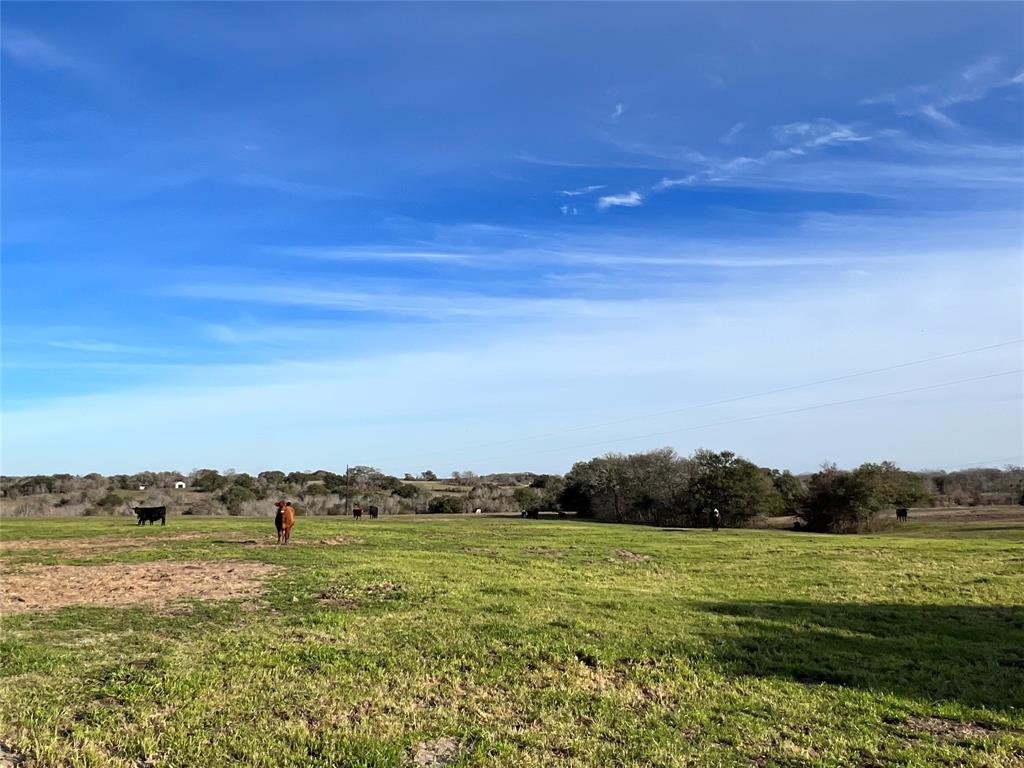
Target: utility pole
[(348, 491)]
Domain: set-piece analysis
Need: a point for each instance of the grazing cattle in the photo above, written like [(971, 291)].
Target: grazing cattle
[(151, 515), (357, 512), (284, 521), (902, 514), (373, 512)]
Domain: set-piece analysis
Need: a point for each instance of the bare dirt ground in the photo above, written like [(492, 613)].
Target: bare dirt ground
[(44, 588), (96, 542)]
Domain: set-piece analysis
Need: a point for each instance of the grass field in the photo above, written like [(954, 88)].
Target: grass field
[(506, 642)]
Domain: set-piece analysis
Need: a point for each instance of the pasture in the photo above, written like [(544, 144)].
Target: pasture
[(507, 642)]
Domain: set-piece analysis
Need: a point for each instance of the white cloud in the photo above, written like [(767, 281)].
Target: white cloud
[(731, 136), (619, 109), (30, 51), (569, 210), (627, 200), (582, 190), (972, 83), (370, 253), (103, 347), (731, 341), (817, 133)]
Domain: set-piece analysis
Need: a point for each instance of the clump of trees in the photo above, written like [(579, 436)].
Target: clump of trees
[(662, 488), (446, 505), (838, 501)]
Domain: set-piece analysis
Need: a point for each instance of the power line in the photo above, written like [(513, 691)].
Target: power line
[(803, 409), (738, 398)]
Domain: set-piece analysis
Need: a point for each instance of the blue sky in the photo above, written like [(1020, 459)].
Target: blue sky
[(509, 237)]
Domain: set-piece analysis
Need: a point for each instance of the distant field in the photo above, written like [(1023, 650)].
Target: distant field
[(506, 642)]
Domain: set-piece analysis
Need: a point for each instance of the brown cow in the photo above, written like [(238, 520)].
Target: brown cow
[(284, 520), (357, 512)]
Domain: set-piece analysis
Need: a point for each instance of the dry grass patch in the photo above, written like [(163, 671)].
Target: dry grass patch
[(625, 554), (942, 728), (47, 588), (436, 753), (97, 542)]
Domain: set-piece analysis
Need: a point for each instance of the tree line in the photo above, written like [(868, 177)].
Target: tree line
[(654, 488), (662, 488)]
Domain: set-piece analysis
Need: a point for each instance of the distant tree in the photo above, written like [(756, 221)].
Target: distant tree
[(528, 499), (791, 490), (446, 505), (234, 496), (110, 501), (428, 475), (245, 481), (208, 480), (467, 477), (846, 502), (409, 476), (406, 490), (298, 479), (730, 483)]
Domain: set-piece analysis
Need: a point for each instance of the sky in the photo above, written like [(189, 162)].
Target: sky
[(509, 237)]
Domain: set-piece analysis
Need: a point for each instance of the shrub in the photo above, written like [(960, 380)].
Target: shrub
[(445, 505), (234, 496)]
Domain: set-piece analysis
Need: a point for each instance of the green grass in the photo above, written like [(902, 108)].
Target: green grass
[(534, 643)]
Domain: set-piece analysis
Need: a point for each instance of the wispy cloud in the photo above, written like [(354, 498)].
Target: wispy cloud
[(732, 134), (619, 109), (103, 347), (972, 83), (627, 200), (297, 188), (582, 190), (370, 254), (798, 140), (569, 210), (29, 50)]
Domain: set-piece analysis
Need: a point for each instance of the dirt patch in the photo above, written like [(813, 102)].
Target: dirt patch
[(96, 543), (47, 588), (556, 554), (341, 541), (436, 753), (625, 554), (479, 551), (942, 728)]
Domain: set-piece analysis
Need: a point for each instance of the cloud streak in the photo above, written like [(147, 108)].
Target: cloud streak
[(625, 200), (972, 83)]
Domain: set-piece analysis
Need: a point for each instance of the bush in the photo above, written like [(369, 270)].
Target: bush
[(406, 491), (110, 501), (234, 496), (445, 505), (528, 499)]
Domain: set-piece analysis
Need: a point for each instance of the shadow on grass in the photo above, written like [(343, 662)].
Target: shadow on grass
[(972, 655)]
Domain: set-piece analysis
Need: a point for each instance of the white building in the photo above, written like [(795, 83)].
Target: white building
[(179, 485)]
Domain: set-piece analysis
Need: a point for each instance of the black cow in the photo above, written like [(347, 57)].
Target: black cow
[(902, 513), (151, 515), (373, 513)]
